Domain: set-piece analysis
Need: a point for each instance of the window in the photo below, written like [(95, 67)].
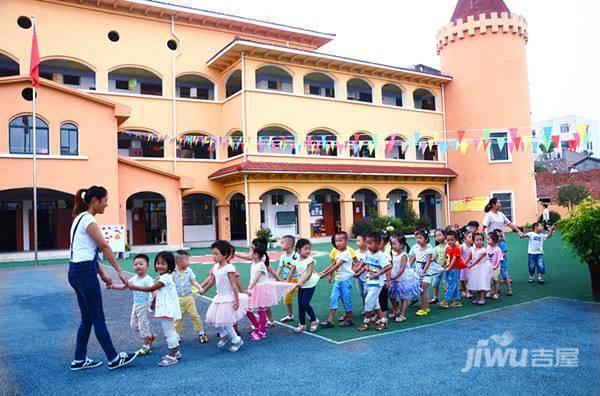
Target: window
[(202, 93), (399, 101), (273, 84), (497, 154), (20, 131), (47, 76), (198, 212), (506, 201), (365, 97), (122, 84), (329, 92), (71, 80), (184, 92), (314, 90), (277, 199), (151, 89), (69, 140), (564, 128)]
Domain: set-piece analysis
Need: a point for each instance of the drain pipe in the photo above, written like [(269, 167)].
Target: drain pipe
[(247, 210), (244, 131), (174, 74), (446, 155)]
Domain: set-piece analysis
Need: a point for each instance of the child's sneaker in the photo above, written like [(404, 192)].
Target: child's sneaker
[(236, 347), (495, 297), (144, 350), (271, 324), (530, 279), (456, 304), (222, 342), (300, 329), (84, 364), (540, 280), (168, 360), (203, 338), (257, 336), (287, 318), (444, 304), (122, 359)]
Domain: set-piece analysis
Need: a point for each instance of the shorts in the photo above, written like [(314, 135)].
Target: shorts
[(289, 298), (341, 290), (372, 298)]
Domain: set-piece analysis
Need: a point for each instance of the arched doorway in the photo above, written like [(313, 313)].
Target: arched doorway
[(199, 218), (279, 212), (237, 217), (364, 205), (324, 210), (147, 218), (430, 208), (397, 203), (54, 213)]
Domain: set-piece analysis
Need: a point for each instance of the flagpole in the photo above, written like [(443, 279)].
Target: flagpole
[(34, 151)]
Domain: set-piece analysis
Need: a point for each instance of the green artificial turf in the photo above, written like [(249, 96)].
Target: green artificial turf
[(566, 277)]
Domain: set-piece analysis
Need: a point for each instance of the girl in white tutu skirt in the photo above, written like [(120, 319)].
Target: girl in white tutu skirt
[(263, 292), (229, 305)]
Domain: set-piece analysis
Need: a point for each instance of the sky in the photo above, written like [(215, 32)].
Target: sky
[(563, 50)]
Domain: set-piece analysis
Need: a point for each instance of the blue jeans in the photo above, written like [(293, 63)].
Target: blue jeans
[(452, 291), (536, 261), (83, 278), (304, 297), (341, 290), (362, 289)]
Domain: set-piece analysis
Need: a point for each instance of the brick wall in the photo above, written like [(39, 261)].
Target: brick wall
[(548, 184)]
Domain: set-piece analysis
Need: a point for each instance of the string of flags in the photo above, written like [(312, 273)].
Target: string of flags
[(422, 140)]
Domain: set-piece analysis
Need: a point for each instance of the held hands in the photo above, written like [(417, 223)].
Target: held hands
[(123, 277), (236, 305)]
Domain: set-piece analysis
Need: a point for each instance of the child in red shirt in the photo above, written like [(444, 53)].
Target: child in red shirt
[(453, 263)]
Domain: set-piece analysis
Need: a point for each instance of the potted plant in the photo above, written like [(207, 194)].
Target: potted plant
[(127, 251), (267, 235), (582, 231)]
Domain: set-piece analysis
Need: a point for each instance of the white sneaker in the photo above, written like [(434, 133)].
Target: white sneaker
[(287, 318), (222, 342), (236, 347), (300, 329)]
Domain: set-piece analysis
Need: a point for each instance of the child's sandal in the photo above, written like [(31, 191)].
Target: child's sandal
[(381, 326), (364, 326)]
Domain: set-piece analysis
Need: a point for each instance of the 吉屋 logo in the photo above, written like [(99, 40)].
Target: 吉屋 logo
[(496, 351)]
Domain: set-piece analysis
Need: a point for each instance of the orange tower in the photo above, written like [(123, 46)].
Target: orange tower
[(483, 49)]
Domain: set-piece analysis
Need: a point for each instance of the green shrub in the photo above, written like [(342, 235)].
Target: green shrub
[(582, 230), (265, 233), (539, 168)]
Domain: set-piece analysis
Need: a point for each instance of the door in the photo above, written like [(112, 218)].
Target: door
[(63, 228), (139, 226), (237, 218), (329, 218), (357, 211), (9, 231)]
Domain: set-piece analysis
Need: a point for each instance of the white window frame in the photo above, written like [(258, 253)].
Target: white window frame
[(513, 218), (489, 149)]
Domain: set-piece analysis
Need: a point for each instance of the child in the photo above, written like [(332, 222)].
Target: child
[(376, 263), (229, 305), (405, 283), (504, 275), (184, 278), (421, 256), (360, 275), (166, 304), (546, 216), (483, 261), (453, 263), (307, 282), (436, 267), (142, 301), (342, 288), (263, 292), (386, 248), (535, 251), (465, 251), (286, 262)]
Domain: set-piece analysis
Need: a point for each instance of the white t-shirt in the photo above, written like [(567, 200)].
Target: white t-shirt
[(397, 263), (546, 215), (83, 246), (257, 268), (495, 221), (167, 302), (536, 243), (345, 270)]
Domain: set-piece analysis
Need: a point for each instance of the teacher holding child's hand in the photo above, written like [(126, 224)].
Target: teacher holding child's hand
[(86, 242)]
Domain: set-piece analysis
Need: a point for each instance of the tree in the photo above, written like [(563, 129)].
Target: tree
[(572, 194)]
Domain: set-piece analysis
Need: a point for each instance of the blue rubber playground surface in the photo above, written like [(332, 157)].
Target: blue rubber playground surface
[(545, 342)]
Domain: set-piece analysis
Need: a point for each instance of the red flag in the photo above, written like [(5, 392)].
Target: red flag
[(555, 140), (34, 69), (461, 134), (517, 140)]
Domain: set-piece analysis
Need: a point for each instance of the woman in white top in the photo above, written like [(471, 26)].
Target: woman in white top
[(86, 241), (496, 220)]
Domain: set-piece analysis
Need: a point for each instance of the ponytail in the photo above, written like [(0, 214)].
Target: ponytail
[(83, 197), (491, 202), (259, 246)]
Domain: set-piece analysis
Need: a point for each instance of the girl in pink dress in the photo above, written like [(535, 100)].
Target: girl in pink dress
[(480, 272), (229, 305), (262, 291), (465, 249)]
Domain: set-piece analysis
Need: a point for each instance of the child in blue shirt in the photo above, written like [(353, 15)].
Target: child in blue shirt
[(504, 275)]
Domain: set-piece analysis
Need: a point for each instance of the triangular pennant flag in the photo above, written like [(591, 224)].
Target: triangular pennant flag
[(486, 134), (404, 146), (555, 140), (572, 145), (513, 133), (460, 134), (423, 146), (453, 143), (534, 146), (430, 143), (547, 133), (577, 139), (517, 142), (476, 142), (464, 145), (501, 142), (582, 130), (443, 146), (371, 147), (486, 143), (417, 135)]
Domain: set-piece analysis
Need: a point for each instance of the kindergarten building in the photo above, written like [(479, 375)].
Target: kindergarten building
[(203, 125)]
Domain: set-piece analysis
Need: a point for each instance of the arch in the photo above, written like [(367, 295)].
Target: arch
[(200, 192), (365, 203), (10, 56), (324, 210), (9, 65), (238, 147), (403, 189), (233, 194), (142, 147), (202, 149), (37, 115), (131, 79), (69, 138), (424, 99), (195, 85), (329, 148), (371, 189), (274, 77), (436, 189), (428, 154), (320, 84), (280, 212), (431, 206), (69, 59), (146, 214), (237, 216), (134, 66), (397, 202), (199, 217), (359, 89), (396, 151), (233, 82), (281, 137), (334, 189), (392, 95), (361, 150), (20, 131), (282, 67), (278, 187)]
